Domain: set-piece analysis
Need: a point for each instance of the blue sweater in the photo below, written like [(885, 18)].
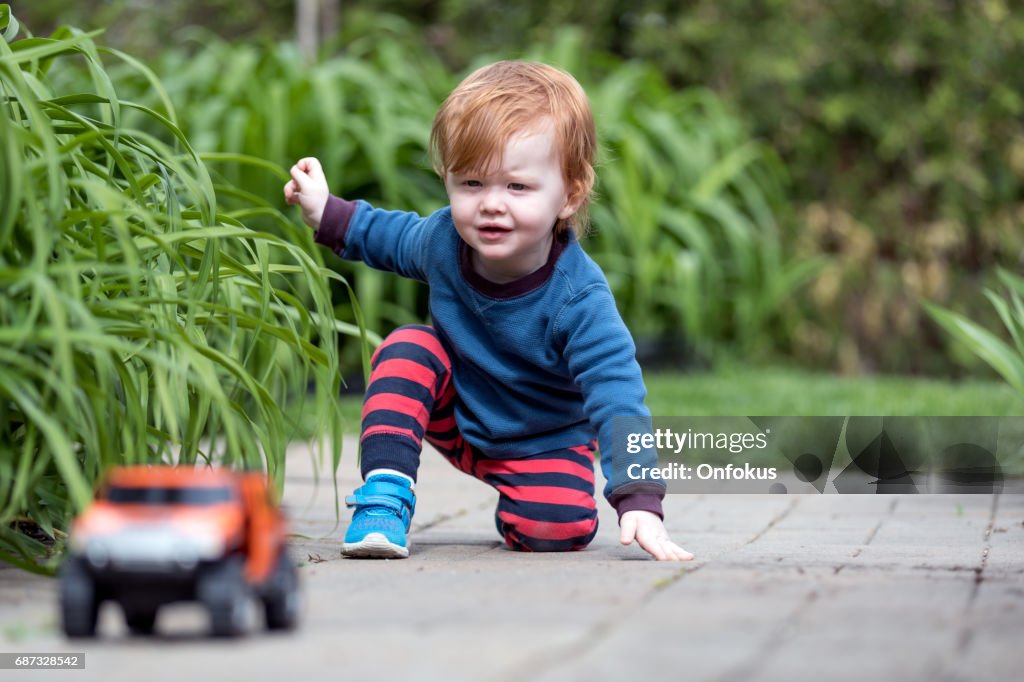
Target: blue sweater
[(540, 363)]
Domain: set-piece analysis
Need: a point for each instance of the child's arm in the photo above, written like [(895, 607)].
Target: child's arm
[(385, 240), (602, 360)]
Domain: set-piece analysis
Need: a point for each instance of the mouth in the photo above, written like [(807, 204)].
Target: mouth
[(492, 231)]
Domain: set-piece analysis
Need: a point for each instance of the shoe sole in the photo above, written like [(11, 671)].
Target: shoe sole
[(374, 546)]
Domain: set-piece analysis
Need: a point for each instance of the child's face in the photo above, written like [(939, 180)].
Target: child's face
[(507, 214)]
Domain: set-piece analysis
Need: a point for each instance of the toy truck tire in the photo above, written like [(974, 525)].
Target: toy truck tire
[(281, 596), (225, 594), (79, 604)]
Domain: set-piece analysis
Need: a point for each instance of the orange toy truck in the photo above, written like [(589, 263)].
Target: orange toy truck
[(159, 534)]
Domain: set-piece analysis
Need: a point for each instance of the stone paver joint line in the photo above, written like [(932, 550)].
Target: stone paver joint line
[(771, 524), (871, 536), (967, 633)]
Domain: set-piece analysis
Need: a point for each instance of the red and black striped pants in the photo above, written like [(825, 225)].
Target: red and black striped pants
[(545, 500)]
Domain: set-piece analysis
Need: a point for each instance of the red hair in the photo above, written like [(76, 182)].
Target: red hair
[(499, 101)]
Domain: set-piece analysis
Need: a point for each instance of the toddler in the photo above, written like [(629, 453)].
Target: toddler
[(526, 359)]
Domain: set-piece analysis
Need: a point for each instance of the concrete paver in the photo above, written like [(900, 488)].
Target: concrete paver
[(908, 587)]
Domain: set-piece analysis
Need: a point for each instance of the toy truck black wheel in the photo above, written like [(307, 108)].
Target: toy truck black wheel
[(79, 605), (225, 594), (281, 596), (141, 620)]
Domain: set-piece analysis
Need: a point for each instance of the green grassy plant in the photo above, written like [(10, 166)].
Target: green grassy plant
[(140, 320), (685, 223), (366, 116), (1005, 358)]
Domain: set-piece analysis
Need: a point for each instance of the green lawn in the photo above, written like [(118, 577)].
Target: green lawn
[(749, 391), (753, 391), (744, 391)]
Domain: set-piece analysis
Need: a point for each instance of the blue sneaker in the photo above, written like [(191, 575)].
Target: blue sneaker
[(384, 508)]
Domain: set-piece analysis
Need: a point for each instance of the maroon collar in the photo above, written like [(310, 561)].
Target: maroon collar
[(517, 287)]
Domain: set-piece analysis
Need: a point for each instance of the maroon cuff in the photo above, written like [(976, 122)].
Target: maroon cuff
[(638, 501), (334, 223)]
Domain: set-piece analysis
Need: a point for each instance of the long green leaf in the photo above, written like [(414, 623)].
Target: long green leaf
[(986, 345)]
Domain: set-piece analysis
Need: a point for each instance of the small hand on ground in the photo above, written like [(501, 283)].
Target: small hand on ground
[(649, 532)]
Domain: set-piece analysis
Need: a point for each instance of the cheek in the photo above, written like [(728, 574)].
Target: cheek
[(534, 209), (458, 204), (462, 212)]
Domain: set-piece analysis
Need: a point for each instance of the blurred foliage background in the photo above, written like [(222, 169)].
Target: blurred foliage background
[(782, 180)]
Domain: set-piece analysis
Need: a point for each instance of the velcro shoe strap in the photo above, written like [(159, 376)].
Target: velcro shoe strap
[(399, 507), (376, 501), (404, 493)]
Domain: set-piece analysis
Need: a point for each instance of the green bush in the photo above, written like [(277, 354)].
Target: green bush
[(903, 127), (140, 321), (685, 220), (366, 116)]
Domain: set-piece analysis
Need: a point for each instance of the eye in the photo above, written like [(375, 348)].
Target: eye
[(516, 186), (472, 183)]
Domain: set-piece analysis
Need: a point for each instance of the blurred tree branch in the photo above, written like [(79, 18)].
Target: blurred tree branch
[(316, 21)]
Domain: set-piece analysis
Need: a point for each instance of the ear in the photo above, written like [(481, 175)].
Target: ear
[(573, 201), (569, 210)]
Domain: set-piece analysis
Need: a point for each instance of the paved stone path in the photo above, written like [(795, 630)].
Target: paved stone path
[(853, 587)]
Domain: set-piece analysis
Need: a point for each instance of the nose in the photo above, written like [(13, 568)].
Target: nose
[(492, 201)]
